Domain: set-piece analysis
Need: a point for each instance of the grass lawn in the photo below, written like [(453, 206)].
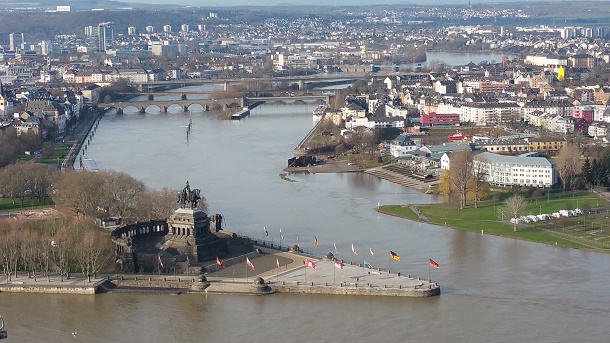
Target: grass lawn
[(584, 232), (58, 154), (398, 210), (6, 204), (366, 160)]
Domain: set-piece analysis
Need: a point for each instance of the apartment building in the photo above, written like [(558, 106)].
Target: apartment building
[(504, 170)]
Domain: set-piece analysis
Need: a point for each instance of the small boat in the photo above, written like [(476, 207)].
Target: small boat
[(3, 333), (241, 114), (459, 137)]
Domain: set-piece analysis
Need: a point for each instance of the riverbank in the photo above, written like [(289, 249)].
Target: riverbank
[(327, 166), (292, 277), (80, 137), (588, 232), (237, 278)]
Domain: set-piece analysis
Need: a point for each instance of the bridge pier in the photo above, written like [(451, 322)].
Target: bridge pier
[(165, 109), (183, 96), (151, 97), (225, 86), (142, 110), (206, 107), (119, 111), (302, 85), (186, 108)]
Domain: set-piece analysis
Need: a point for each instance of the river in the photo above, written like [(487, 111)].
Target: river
[(494, 289), (458, 58)]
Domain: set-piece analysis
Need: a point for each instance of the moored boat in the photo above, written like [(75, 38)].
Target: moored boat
[(458, 137), (244, 112)]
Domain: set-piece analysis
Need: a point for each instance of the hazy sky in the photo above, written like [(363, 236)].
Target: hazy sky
[(219, 3)]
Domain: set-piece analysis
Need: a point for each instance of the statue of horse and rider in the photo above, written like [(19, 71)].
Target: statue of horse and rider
[(188, 197)]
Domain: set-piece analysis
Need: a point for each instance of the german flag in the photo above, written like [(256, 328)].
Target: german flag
[(219, 263), (433, 264), (395, 256)]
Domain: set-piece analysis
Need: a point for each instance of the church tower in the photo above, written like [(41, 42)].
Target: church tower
[(6, 106)]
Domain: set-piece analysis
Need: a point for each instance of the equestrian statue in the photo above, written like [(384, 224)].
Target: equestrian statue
[(188, 198)]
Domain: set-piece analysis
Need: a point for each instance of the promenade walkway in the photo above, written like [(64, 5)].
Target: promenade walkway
[(325, 278), (77, 284)]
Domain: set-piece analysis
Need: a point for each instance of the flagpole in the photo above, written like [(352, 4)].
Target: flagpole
[(305, 273), (428, 271), (334, 267), (247, 266), (363, 262)]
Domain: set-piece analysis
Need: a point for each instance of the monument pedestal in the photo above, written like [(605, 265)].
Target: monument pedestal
[(189, 233)]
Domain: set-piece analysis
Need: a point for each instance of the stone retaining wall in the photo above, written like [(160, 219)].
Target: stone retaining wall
[(362, 290), (171, 282), (92, 289)]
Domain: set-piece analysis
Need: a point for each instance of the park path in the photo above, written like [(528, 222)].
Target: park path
[(419, 214)]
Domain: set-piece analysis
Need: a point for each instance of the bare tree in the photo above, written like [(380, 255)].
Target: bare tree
[(14, 181), (28, 249), (10, 248), (92, 250), (479, 173), (460, 163), (361, 139), (6, 252), (567, 162), (514, 207), (63, 246), (39, 177), (157, 204), (121, 193), (79, 191)]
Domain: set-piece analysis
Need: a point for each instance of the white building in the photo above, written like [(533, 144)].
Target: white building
[(546, 61), (401, 145), (517, 170), (599, 130), (395, 111)]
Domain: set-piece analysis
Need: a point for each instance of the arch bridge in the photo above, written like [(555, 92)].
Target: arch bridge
[(318, 99), (185, 105)]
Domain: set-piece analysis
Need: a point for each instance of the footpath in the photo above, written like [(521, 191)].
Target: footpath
[(78, 136)]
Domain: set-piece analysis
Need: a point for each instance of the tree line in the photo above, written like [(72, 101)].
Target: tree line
[(72, 243), (596, 172), (13, 145), (60, 246), (104, 193)]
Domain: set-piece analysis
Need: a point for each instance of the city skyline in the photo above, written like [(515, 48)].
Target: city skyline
[(229, 3)]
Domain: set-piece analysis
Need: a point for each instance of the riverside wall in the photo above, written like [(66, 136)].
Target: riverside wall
[(358, 290), (50, 289)]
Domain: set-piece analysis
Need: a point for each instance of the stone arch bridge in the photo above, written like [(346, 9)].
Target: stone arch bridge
[(185, 104)]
